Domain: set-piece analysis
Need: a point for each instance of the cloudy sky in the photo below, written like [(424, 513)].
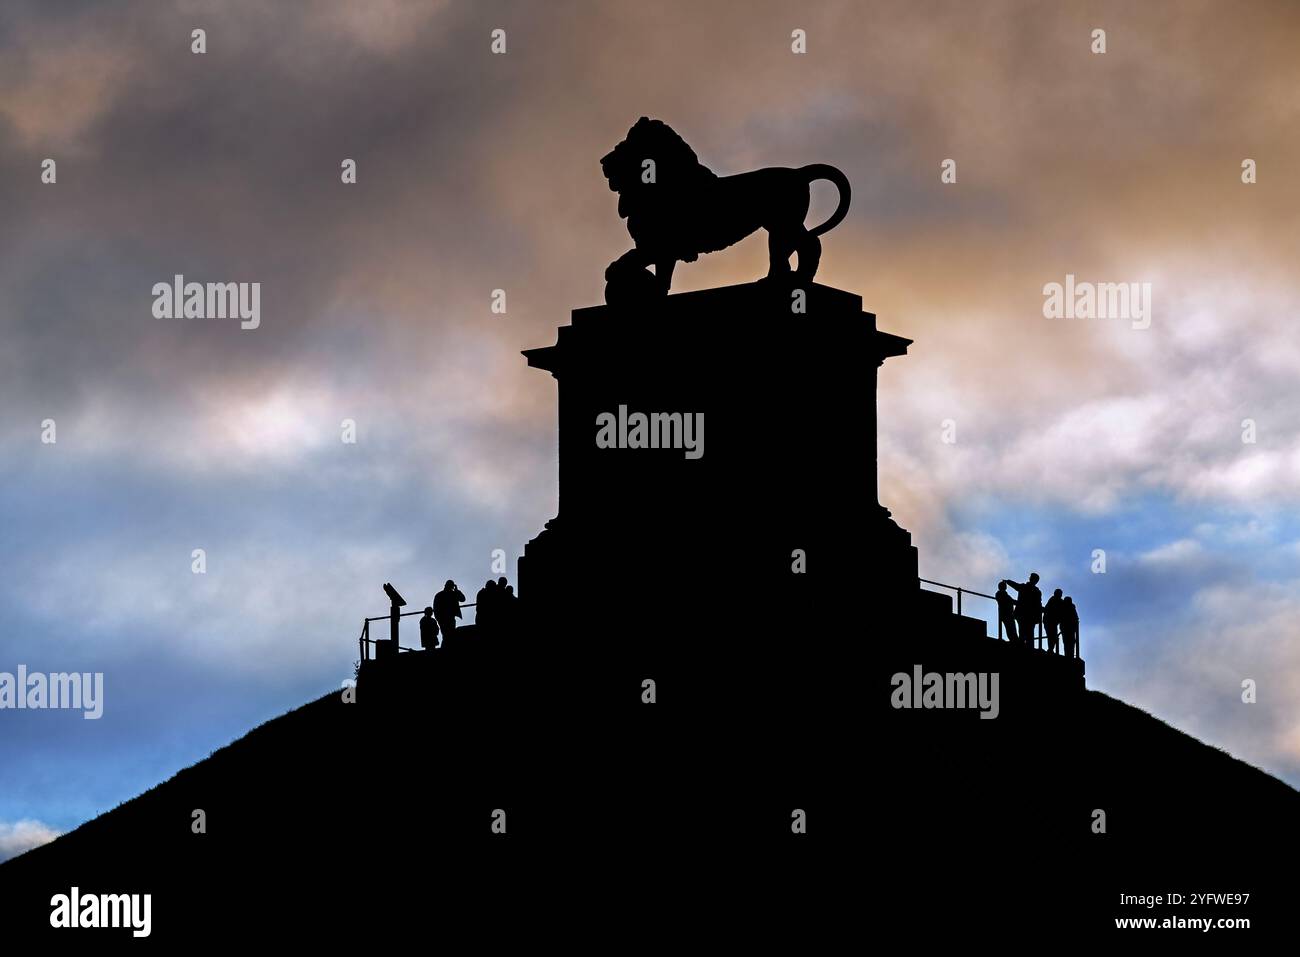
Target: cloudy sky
[(479, 172)]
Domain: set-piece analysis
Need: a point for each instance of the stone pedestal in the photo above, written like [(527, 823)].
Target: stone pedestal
[(768, 538)]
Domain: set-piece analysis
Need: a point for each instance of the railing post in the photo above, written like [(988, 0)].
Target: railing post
[(959, 602), (365, 639)]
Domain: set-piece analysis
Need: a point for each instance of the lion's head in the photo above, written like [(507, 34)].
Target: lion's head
[(675, 164)]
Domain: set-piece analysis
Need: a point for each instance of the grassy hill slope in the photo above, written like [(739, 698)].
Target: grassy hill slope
[(335, 813)]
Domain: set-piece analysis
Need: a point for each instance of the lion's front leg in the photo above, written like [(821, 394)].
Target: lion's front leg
[(664, 273)]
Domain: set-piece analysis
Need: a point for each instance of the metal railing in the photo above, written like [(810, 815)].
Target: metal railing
[(365, 641), (1040, 631), (964, 591)]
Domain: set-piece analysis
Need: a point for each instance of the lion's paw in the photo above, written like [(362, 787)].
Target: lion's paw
[(626, 284)]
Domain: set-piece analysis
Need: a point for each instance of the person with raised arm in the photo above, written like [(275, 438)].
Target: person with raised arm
[(1029, 608), (1007, 612), (446, 608)]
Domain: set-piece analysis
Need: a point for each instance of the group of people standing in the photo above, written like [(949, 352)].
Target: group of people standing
[(1020, 616), (494, 605)]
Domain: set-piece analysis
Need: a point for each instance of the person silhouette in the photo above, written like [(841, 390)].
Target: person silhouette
[(429, 631), (1029, 608), (485, 605), (1052, 620), (509, 607), (1007, 612), (1070, 625), (446, 608), (504, 596)]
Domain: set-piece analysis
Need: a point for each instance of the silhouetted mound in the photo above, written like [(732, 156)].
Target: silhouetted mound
[(695, 728), (374, 817)]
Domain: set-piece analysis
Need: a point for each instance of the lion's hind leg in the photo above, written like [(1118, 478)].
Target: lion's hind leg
[(779, 251), (810, 256)]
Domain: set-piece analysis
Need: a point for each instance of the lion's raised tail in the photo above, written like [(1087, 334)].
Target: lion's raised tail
[(823, 171)]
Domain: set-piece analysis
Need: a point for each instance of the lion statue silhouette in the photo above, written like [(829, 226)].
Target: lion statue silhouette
[(677, 208)]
